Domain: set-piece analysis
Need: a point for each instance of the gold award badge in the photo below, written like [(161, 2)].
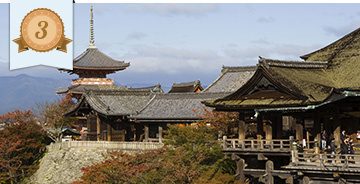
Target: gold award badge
[(42, 30)]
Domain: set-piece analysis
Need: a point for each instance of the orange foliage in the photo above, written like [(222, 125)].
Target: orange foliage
[(218, 120), (52, 119), (21, 144)]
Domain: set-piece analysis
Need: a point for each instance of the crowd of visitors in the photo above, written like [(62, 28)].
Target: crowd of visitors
[(347, 145)]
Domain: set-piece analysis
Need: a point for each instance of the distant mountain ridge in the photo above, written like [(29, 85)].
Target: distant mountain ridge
[(24, 92)]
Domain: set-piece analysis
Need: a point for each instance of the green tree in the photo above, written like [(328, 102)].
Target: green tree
[(22, 143), (52, 119), (191, 155), (218, 120)]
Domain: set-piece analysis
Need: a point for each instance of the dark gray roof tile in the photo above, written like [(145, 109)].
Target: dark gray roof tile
[(115, 103), (94, 58), (231, 79), (175, 107)]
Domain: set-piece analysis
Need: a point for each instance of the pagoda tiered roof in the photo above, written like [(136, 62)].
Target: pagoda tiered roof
[(93, 58), (79, 89), (93, 61)]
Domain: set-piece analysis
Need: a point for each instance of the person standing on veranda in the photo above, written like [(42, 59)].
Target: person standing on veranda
[(323, 139)]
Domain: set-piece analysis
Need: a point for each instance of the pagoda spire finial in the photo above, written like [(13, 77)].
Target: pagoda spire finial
[(91, 45)]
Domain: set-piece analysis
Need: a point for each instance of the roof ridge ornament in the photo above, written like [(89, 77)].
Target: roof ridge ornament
[(91, 45)]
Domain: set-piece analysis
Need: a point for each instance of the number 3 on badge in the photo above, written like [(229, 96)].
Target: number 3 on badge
[(43, 29)]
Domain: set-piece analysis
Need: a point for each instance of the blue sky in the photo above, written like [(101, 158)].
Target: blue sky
[(167, 43)]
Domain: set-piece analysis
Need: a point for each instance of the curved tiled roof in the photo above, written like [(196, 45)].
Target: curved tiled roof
[(294, 83), (94, 58), (231, 79), (113, 103), (175, 107), (308, 82), (106, 87), (344, 60), (186, 87), (80, 88)]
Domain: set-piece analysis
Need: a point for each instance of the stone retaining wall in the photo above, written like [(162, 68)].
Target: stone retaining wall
[(63, 161)]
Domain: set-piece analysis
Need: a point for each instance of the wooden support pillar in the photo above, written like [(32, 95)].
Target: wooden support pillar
[(317, 129), (240, 166), (146, 129), (337, 130), (160, 133), (260, 127), (269, 166), (307, 139), (268, 132), (109, 132), (299, 131), (122, 135), (279, 126), (289, 180), (305, 180), (291, 140), (268, 177), (98, 127), (242, 129), (292, 121), (88, 126)]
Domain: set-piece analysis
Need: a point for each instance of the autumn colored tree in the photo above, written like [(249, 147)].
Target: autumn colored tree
[(218, 120), (124, 168), (52, 119), (22, 142), (191, 154), (196, 151)]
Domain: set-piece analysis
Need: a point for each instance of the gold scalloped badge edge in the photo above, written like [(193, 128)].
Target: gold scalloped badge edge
[(48, 50)]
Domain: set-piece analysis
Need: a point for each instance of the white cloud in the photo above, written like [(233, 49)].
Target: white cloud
[(100, 9), (261, 41), (266, 19), (172, 60), (285, 52), (341, 31), (136, 36), (231, 45), (175, 9)]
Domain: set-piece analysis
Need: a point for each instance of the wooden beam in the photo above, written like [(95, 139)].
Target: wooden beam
[(299, 131), (268, 132), (146, 131), (109, 132), (98, 127), (242, 129), (260, 126), (160, 133), (240, 166), (337, 128), (268, 178)]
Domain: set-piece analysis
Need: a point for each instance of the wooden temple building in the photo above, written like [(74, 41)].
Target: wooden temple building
[(303, 97), (109, 112), (282, 101)]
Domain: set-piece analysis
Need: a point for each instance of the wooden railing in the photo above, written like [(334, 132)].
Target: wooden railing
[(325, 160), (111, 145), (253, 144)]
